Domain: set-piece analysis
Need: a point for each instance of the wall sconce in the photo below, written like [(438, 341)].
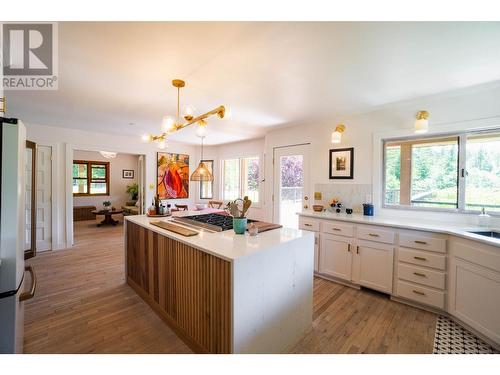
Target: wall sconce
[(337, 133), (422, 122)]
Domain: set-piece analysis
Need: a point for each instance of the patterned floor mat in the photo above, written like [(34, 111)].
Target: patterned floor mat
[(450, 338)]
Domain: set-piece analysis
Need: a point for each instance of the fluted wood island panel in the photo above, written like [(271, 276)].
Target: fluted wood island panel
[(190, 289)]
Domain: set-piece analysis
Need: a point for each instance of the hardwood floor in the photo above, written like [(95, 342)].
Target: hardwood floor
[(347, 320), (82, 305)]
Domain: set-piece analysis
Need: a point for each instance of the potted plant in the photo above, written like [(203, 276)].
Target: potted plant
[(238, 210), (106, 205), (133, 191)]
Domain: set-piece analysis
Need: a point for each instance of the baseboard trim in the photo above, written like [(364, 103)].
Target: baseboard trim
[(337, 280)]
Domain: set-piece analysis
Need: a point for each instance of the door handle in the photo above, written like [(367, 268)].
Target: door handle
[(357, 249), (349, 247), (31, 293)]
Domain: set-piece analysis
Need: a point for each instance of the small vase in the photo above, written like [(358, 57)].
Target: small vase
[(239, 225)]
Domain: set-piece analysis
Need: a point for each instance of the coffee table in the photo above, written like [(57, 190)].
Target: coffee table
[(108, 216)]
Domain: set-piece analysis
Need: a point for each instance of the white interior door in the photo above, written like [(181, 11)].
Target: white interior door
[(291, 184), (44, 198)]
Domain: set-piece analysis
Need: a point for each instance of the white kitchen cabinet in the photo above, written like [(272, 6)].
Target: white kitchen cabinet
[(335, 256), (373, 265), (475, 287)]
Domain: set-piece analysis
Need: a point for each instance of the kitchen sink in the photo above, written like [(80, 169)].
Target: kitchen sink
[(487, 233)]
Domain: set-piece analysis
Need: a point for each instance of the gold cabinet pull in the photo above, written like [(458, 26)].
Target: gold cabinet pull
[(338, 229), (420, 274), (349, 247), (308, 225), (418, 292), (357, 249), (420, 258), (420, 242), (373, 234)]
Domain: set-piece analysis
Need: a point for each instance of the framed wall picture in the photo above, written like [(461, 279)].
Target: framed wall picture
[(172, 175), (342, 163), (128, 173)]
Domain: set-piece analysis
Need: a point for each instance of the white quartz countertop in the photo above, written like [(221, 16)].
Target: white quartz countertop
[(227, 244), (461, 230)]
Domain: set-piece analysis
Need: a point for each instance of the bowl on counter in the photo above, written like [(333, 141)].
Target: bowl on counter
[(318, 208), (200, 206)]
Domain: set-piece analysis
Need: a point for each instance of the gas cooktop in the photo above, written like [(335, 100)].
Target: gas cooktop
[(213, 222)]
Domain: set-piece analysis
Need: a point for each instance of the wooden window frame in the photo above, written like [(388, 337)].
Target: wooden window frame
[(89, 164)]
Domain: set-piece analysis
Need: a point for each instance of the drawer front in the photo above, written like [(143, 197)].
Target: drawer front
[(417, 241), (309, 224), (339, 229), (420, 275), (421, 294), (422, 258), (375, 234)]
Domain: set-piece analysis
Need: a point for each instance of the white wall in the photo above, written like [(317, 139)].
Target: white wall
[(117, 184), (465, 109), (471, 108), (64, 140)]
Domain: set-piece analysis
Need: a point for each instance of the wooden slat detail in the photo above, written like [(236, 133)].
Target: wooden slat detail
[(190, 289)]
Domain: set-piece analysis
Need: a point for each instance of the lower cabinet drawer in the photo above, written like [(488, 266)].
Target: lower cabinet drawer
[(308, 224), (421, 294), (421, 275), (422, 258), (338, 229), (375, 234)]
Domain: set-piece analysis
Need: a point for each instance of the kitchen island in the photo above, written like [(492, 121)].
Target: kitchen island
[(222, 292)]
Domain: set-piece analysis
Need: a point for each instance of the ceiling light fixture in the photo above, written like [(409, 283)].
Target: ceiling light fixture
[(202, 173), (170, 124), (108, 155), (337, 133), (422, 122)]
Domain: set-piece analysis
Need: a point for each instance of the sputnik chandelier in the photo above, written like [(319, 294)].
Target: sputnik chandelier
[(171, 124)]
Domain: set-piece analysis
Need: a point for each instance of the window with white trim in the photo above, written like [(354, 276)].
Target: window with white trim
[(458, 172), (240, 177)]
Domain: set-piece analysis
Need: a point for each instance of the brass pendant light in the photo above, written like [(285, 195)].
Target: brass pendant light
[(170, 124), (202, 173)]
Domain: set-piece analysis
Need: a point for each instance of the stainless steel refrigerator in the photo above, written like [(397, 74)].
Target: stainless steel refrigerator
[(15, 284)]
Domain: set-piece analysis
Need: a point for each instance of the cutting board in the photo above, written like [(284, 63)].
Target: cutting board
[(264, 227), (174, 228)]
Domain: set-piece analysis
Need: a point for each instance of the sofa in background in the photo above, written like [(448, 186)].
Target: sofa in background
[(130, 208)]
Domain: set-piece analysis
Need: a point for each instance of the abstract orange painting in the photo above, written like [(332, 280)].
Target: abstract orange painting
[(172, 176)]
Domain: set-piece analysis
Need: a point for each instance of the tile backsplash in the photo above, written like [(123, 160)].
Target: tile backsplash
[(350, 195)]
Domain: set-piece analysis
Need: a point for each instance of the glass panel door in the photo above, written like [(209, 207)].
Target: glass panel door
[(291, 184)]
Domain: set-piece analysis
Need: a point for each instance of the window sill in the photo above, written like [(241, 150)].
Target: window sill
[(438, 210)]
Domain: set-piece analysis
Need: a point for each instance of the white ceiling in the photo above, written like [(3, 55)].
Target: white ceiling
[(269, 74)]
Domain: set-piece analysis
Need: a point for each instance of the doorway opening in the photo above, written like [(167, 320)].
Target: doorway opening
[(105, 187)]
